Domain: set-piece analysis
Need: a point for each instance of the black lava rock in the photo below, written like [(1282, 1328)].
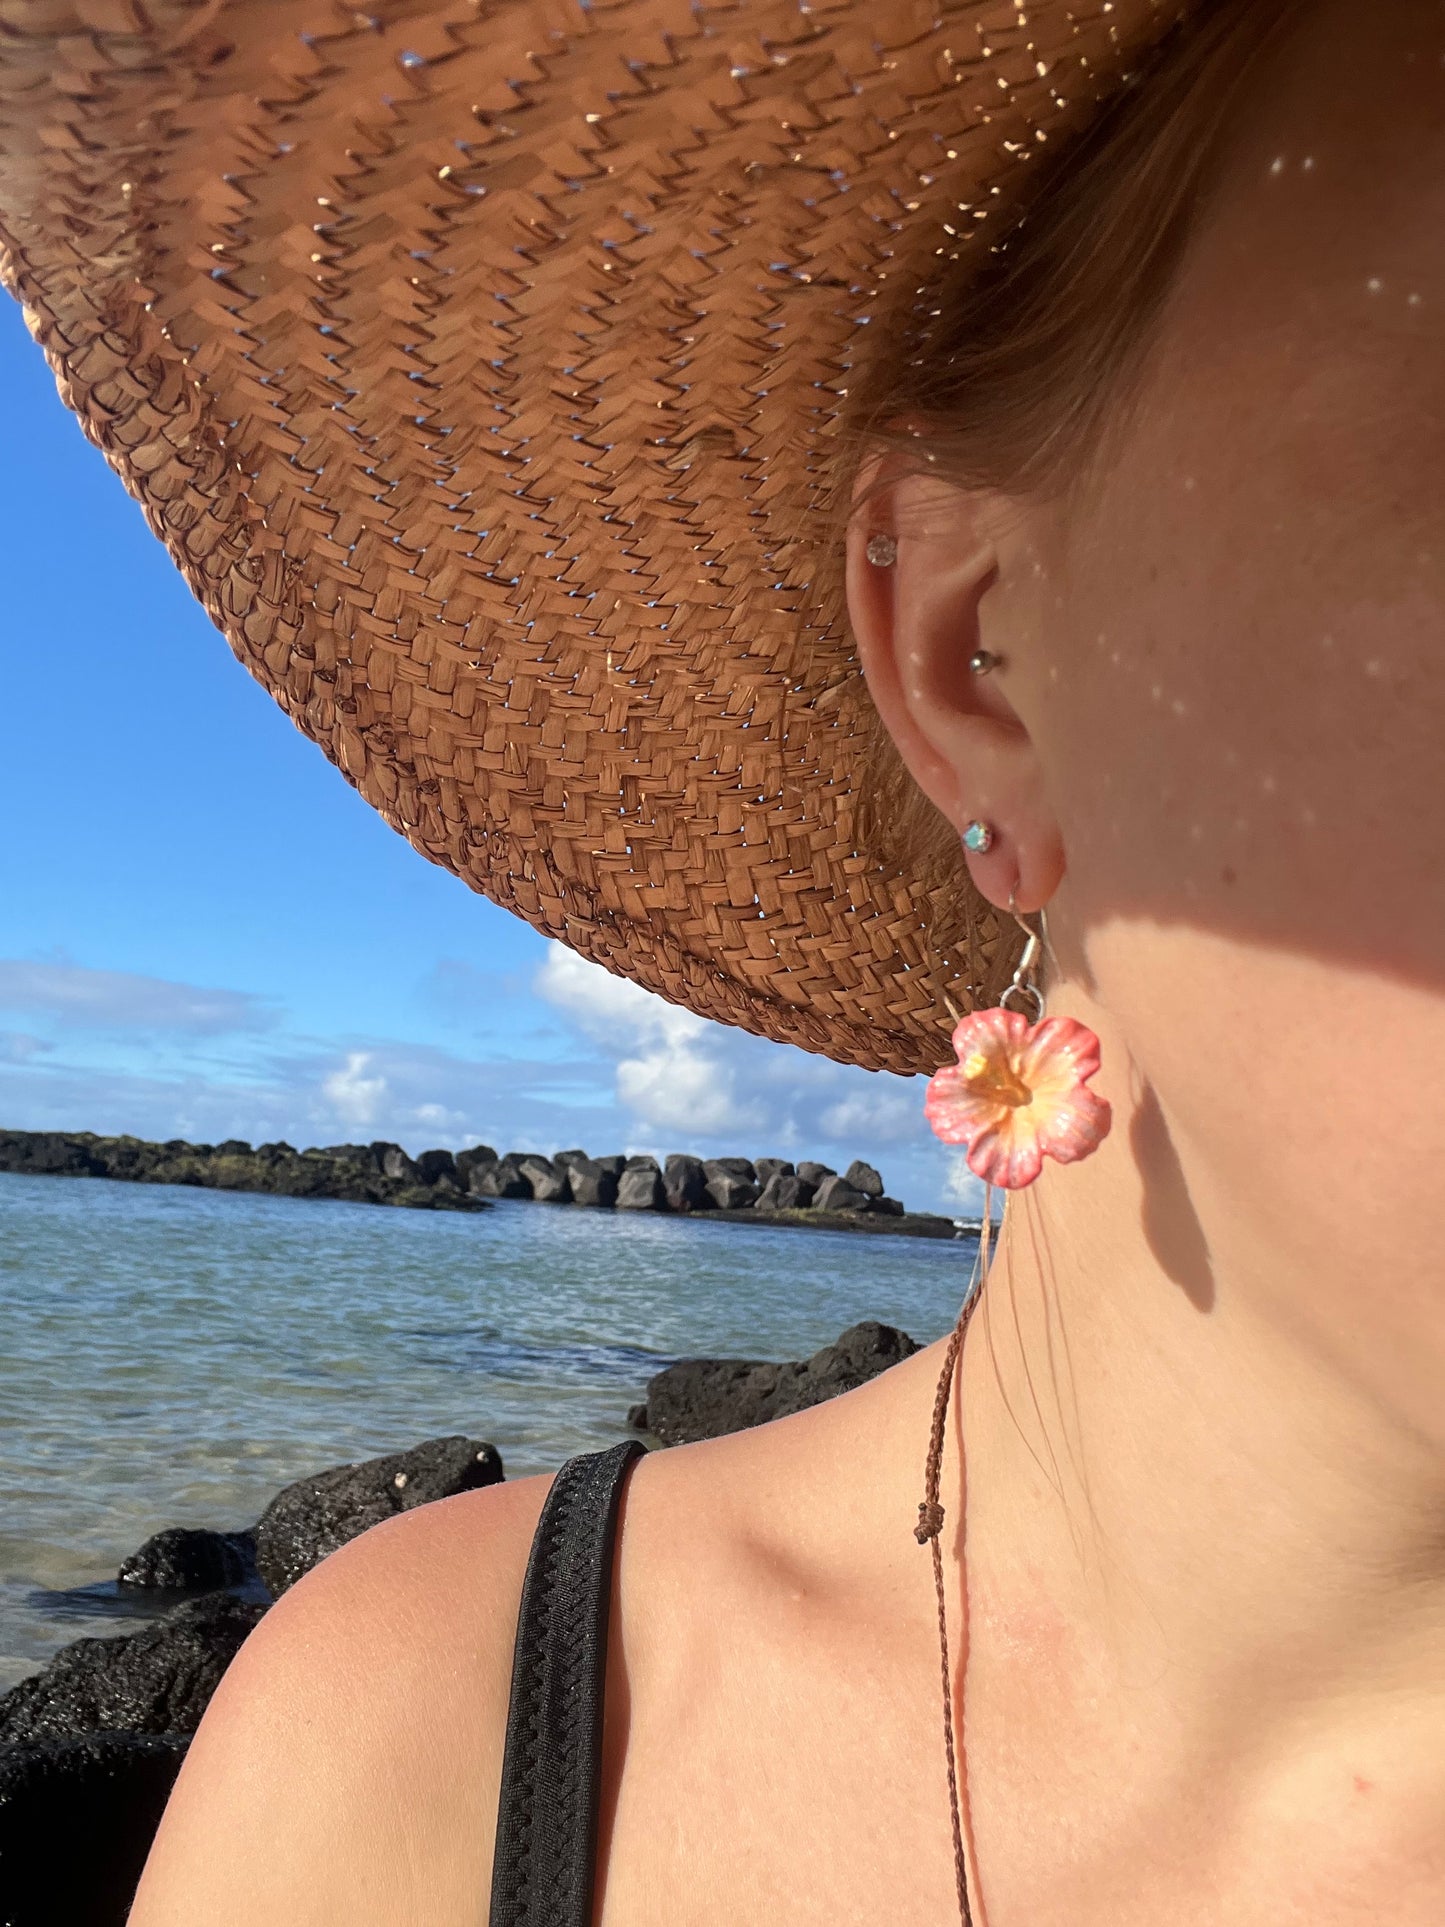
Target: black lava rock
[(766, 1169), (158, 1680), (189, 1559), (864, 1177), (432, 1166), (378, 1173), (703, 1398), (549, 1185), (785, 1192), (685, 1183), (504, 1179), (836, 1194), (471, 1162), (77, 1818), (640, 1186), (743, 1168), (51, 1154), (591, 1185), (313, 1517), (730, 1183)]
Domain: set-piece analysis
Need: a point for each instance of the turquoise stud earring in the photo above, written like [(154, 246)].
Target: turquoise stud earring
[(978, 837)]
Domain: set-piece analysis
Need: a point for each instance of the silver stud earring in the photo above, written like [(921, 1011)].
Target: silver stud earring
[(882, 551), (978, 837), (982, 661)]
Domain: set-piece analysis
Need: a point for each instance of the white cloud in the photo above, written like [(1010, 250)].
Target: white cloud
[(607, 1008), (671, 1067), (686, 1090), (961, 1187), (695, 1085), (887, 1117), (353, 1096), (77, 998)]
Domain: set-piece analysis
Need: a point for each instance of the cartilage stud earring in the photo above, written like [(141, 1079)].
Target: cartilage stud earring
[(882, 551), (978, 837), (982, 661)]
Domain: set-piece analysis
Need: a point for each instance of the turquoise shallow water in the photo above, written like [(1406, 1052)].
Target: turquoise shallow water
[(172, 1356)]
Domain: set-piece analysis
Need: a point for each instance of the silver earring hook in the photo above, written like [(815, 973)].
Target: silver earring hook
[(1024, 983)]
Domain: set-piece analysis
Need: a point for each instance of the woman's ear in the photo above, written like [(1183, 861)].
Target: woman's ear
[(928, 570)]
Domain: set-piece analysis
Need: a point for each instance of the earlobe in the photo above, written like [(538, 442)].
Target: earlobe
[(922, 566)]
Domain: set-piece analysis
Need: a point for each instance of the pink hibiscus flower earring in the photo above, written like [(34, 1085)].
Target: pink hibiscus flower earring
[(1018, 1092)]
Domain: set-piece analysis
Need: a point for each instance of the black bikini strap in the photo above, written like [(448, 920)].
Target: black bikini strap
[(551, 1773)]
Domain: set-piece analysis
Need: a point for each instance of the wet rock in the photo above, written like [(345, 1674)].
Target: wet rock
[(640, 1186), (434, 1166), (731, 1182), (863, 1177), (766, 1169), (888, 1207), (836, 1194), (477, 1158), (814, 1174), (396, 1164), (735, 1167), (549, 1185), (785, 1192), (77, 1818), (357, 1173), (313, 1517), (590, 1184), (158, 1680), (703, 1398), (50, 1154), (189, 1559), (504, 1179), (685, 1183)]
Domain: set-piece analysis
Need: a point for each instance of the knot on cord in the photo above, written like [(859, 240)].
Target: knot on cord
[(930, 1521)]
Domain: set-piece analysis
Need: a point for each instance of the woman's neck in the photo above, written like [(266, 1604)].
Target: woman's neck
[(1197, 1550)]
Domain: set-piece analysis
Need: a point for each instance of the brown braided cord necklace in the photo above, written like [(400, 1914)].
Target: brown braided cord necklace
[(929, 1531)]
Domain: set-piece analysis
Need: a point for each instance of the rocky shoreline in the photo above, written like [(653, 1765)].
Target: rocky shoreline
[(91, 1744), (752, 1190)]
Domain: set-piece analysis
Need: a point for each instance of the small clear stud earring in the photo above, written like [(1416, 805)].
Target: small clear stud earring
[(882, 551), (982, 661), (978, 837)]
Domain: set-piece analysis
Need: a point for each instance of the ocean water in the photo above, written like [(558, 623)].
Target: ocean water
[(173, 1356)]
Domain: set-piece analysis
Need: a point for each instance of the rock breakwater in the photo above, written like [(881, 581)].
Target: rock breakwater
[(764, 1190)]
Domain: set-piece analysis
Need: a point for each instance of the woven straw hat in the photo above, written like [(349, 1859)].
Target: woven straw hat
[(479, 362)]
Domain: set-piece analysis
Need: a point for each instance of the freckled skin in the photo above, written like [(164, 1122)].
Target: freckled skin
[(1196, 1462)]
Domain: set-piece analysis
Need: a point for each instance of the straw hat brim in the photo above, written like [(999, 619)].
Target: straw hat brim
[(480, 363)]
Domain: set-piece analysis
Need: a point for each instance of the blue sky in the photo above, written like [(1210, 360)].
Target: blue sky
[(205, 933)]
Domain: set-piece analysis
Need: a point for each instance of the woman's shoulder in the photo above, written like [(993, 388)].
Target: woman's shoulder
[(349, 1765)]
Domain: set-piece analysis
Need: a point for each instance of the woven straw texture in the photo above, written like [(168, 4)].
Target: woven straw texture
[(479, 363)]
